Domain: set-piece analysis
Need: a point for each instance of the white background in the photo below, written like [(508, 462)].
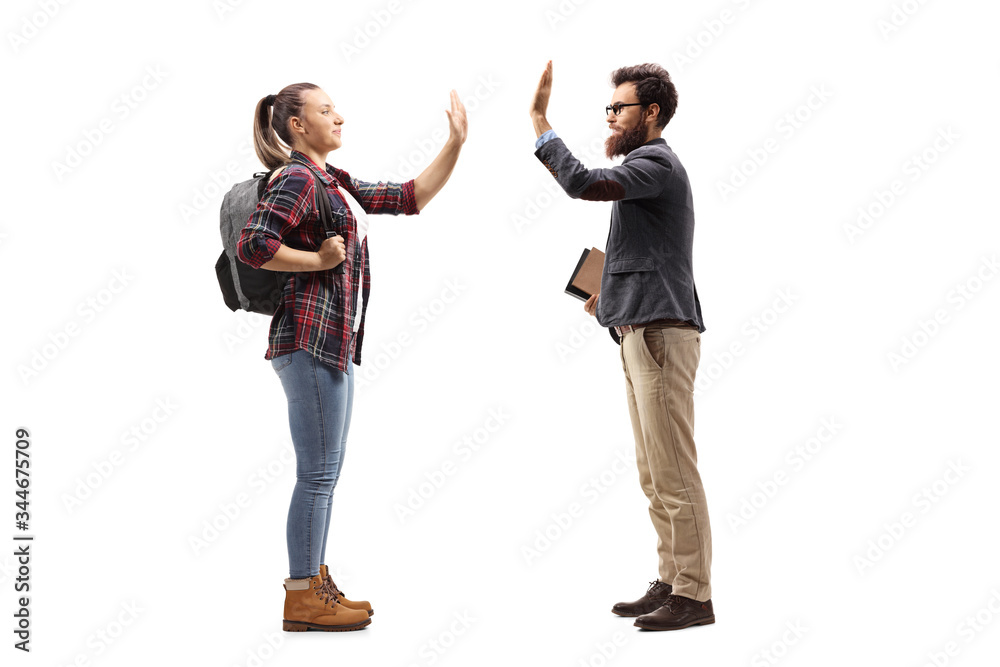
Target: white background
[(476, 282)]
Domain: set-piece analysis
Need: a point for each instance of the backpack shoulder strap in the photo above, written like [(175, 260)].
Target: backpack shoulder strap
[(322, 200), (325, 210)]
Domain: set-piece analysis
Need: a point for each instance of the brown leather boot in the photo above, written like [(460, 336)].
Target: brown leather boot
[(309, 604), (676, 613), (655, 596), (332, 587)]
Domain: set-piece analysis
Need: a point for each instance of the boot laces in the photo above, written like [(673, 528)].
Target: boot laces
[(328, 595), (333, 586)]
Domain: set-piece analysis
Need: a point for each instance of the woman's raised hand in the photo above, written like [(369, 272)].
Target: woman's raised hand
[(459, 124)]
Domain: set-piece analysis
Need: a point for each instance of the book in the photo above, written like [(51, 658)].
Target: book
[(586, 278)]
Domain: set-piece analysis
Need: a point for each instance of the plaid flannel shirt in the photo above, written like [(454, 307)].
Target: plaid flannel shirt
[(317, 307)]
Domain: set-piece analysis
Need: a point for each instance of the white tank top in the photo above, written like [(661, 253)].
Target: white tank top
[(362, 219)]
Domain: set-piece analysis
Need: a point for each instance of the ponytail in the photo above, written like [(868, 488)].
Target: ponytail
[(272, 139)]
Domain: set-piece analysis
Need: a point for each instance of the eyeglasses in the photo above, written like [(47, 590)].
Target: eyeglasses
[(617, 107)]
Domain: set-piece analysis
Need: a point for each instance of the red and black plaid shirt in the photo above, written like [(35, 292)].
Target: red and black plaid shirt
[(317, 308)]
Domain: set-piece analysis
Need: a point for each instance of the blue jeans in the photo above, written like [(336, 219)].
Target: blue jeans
[(320, 398)]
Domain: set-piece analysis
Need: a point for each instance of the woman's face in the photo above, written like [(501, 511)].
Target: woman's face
[(319, 126)]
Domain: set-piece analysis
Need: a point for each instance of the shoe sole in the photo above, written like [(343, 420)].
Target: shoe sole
[(302, 626), (700, 621), (622, 613)]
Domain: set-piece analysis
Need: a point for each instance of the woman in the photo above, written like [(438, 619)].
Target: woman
[(317, 331)]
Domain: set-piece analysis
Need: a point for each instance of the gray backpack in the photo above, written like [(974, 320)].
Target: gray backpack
[(244, 287)]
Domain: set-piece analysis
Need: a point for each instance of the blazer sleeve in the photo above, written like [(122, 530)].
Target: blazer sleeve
[(642, 175)]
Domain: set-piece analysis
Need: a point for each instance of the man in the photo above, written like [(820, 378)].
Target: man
[(649, 303)]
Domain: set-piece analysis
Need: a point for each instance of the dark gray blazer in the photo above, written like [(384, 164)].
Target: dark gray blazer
[(648, 271)]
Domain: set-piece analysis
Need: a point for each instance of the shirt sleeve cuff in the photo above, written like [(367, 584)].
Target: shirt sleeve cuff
[(264, 252), (546, 136), (409, 199)]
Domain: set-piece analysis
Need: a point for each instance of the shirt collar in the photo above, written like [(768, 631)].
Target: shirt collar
[(324, 171)]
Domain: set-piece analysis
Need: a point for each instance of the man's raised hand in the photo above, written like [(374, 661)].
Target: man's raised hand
[(540, 102)]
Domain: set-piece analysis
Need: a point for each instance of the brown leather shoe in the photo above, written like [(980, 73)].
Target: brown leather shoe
[(655, 596), (332, 587), (676, 613), (310, 605)]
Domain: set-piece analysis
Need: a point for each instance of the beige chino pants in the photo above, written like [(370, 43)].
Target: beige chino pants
[(660, 363)]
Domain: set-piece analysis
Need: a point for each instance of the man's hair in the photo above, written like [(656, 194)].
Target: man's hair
[(652, 85)]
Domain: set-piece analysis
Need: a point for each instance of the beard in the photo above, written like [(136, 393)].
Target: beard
[(626, 141)]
